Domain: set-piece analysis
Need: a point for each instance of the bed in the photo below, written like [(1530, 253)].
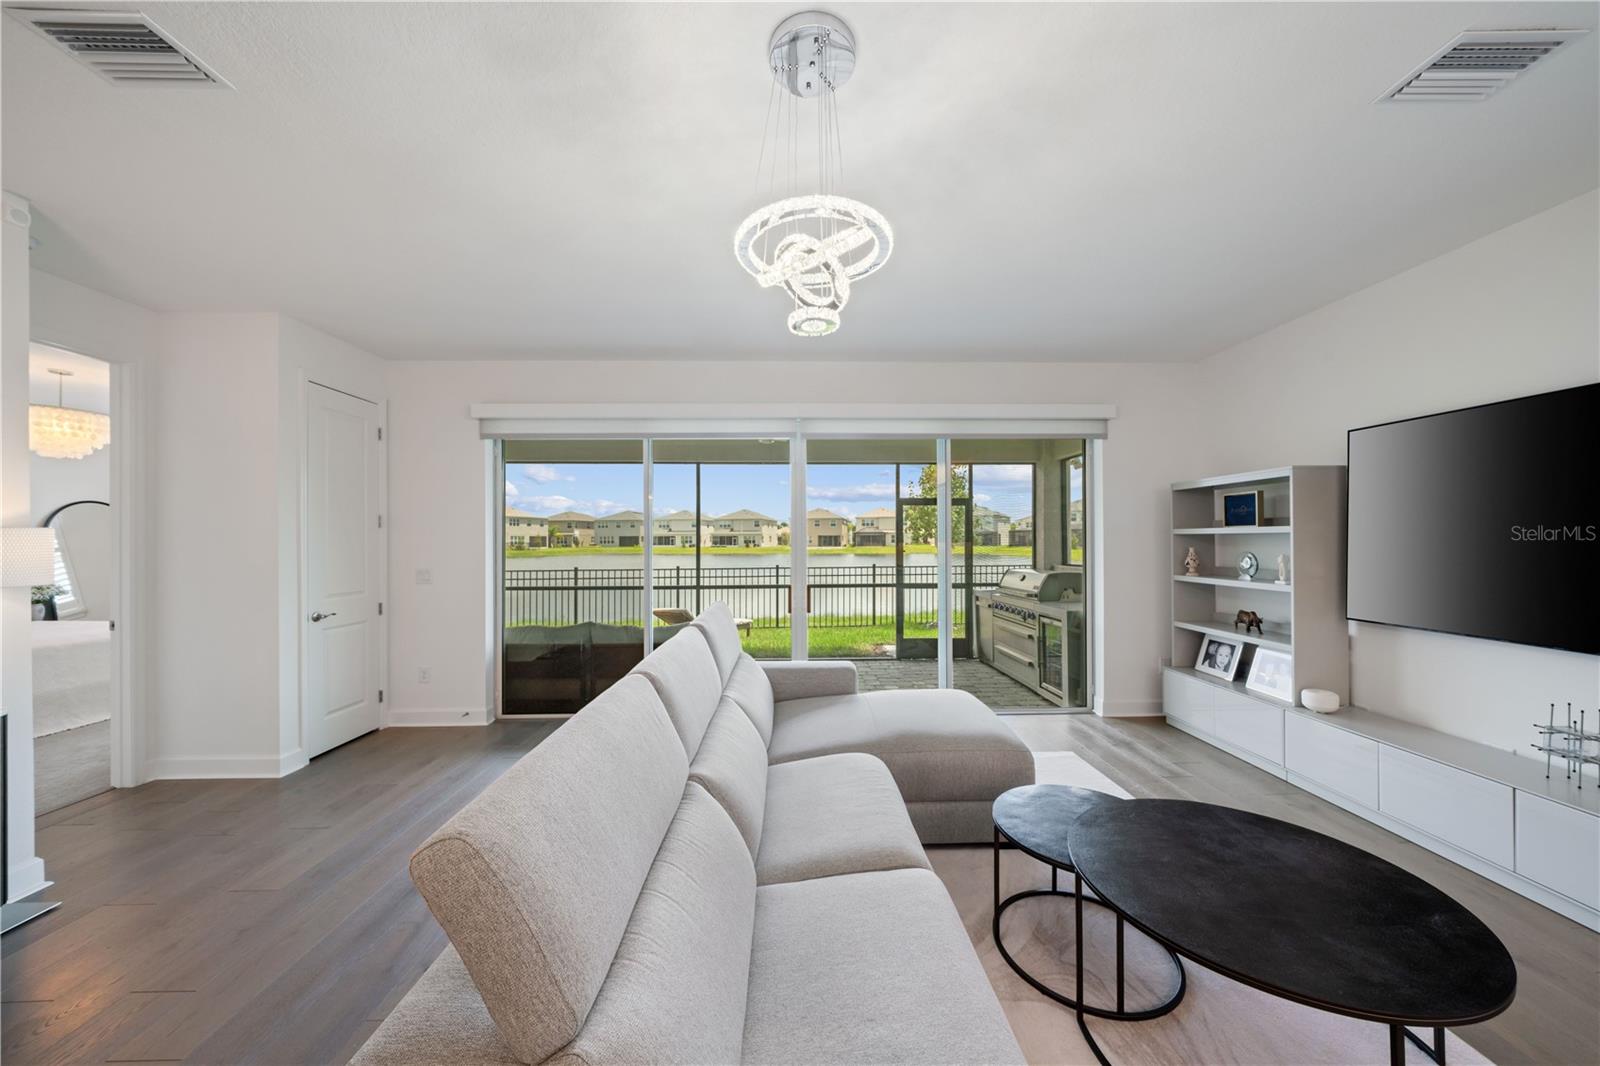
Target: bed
[(71, 675)]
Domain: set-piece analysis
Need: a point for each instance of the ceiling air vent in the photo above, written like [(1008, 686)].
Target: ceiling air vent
[(1478, 64), (122, 46)]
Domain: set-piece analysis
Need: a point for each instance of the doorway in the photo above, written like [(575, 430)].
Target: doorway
[(70, 474), (917, 584)]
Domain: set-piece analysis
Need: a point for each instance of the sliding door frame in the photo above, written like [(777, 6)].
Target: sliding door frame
[(943, 423)]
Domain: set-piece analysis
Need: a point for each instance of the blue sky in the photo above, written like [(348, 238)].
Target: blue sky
[(848, 489)]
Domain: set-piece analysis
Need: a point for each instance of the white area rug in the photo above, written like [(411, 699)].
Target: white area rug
[(1068, 768), (1219, 1020)]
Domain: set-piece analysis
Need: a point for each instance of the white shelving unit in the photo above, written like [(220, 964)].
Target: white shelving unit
[(1492, 811), (1302, 519)]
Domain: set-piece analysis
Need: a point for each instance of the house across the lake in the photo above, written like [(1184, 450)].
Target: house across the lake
[(824, 529), (571, 529), (744, 529), (524, 530), (875, 529)]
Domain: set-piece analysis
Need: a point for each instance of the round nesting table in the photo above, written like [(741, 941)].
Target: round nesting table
[(1036, 820), (1293, 913)]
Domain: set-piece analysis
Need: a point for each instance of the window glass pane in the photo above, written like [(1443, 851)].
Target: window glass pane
[(573, 578), (871, 574), (1029, 652), (721, 532)]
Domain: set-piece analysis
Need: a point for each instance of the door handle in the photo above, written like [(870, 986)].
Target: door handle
[(318, 616)]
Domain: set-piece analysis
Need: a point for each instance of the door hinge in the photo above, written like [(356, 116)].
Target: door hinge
[(380, 432), (380, 521), (380, 695), (112, 624), (380, 607)]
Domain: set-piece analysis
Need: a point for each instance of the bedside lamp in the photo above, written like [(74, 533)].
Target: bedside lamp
[(27, 556)]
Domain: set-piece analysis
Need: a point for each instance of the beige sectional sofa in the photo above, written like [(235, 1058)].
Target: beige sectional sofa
[(716, 862)]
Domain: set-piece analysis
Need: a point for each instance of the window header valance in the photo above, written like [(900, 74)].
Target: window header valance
[(535, 420)]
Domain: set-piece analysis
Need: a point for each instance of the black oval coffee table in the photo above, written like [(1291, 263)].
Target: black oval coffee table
[(1036, 820), (1293, 913)]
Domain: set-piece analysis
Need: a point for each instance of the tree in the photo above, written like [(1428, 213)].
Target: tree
[(920, 520)]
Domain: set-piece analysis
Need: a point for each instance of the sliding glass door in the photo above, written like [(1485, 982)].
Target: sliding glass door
[(611, 546), (572, 574), (721, 535)]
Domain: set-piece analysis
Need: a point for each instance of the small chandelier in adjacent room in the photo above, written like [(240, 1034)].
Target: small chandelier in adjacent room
[(57, 431), (814, 244)]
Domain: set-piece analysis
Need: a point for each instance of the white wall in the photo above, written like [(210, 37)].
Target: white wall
[(24, 869), (439, 514), (221, 400), (1514, 313)]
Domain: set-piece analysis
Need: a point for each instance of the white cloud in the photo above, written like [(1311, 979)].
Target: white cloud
[(1010, 473), (511, 490), (877, 490), (599, 506), (541, 473)]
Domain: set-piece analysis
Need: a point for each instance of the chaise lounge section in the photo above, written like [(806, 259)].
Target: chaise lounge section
[(713, 863)]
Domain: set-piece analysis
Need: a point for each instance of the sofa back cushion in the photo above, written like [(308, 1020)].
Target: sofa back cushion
[(751, 690), (686, 678), (716, 625), (732, 765), (676, 992), (535, 880)]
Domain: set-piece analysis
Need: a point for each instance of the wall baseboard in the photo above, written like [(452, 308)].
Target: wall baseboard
[(1131, 709), (438, 716), (223, 766), (26, 878)]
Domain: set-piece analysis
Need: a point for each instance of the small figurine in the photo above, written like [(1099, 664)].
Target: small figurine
[(1283, 570), (1250, 619), (1191, 562)]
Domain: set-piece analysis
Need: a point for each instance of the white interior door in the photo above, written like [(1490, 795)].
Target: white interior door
[(342, 575)]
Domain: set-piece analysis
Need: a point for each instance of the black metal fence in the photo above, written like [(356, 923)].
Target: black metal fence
[(857, 595)]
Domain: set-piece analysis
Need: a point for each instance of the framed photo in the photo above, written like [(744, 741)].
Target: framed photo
[(1241, 508), (1272, 674), (1218, 657)]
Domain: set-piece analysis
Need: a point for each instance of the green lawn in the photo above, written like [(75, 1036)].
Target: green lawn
[(844, 638)]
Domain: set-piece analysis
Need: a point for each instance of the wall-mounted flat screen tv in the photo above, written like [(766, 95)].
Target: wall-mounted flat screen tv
[(1483, 521)]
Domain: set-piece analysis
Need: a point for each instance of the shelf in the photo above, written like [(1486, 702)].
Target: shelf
[(1233, 583), (1206, 531), (1236, 686), (1253, 477), (1275, 638)]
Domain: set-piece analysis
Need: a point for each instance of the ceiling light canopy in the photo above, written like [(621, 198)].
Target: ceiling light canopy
[(813, 244), (56, 431)]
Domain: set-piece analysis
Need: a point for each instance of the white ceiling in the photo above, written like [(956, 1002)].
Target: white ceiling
[(1066, 182)]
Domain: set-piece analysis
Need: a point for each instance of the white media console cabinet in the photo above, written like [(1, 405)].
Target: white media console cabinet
[(1489, 810)]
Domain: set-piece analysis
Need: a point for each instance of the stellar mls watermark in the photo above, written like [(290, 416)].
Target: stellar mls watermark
[(1548, 534)]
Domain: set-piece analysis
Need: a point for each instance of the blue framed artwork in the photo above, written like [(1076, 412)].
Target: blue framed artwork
[(1241, 508)]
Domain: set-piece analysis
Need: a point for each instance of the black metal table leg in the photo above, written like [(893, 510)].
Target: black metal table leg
[(1120, 1011), (1120, 987), (1397, 1045), (1083, 1021), (1436, 1052)]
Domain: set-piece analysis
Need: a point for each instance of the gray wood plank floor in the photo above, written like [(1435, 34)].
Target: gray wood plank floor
[(273, 921)]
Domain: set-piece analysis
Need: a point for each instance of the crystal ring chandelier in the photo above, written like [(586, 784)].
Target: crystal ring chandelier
[(813, 245), (56, 431)]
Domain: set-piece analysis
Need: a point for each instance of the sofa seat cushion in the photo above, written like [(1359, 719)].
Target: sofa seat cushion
[(869, 968), (940, 744), (442, 1019), (835, 814)]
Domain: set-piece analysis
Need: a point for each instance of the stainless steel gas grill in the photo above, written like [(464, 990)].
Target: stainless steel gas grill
[(1021, 625)]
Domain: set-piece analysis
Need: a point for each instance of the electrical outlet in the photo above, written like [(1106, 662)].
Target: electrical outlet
[(424, 674), (424, 577)]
